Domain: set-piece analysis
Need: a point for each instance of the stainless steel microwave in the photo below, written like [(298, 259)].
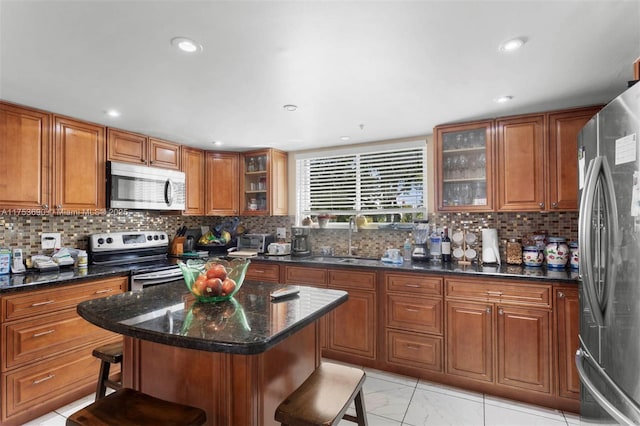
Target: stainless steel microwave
[(131, 186)]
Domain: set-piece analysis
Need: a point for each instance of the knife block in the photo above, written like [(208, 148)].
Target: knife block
[(176, 247)]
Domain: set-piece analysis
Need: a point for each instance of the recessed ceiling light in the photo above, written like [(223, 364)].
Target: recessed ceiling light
[(502, 99), (345, 138), (112, 113), (217, 143), (290, 107), (512, 45), (186, 44)]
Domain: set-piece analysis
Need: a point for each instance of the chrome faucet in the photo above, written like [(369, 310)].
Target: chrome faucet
[(353, 227)]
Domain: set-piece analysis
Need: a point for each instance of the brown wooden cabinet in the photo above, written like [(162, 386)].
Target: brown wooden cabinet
[(464, 156), (263, 271), (500, 332), (352, 326), (46, 348), (25, 146), (135, 148), (222, 183), (78, 166), (414, 322), (567, 309), (263, 183), (193, 166)]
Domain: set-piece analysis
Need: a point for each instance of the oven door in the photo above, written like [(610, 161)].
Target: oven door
[(142, 280)]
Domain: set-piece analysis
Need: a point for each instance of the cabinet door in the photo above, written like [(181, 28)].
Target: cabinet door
[(470, 340), (464, 157), (279, 183), (193, 166), (352, 325), (563, 156), (126, 147), (263, 271), (521, 163), (263, 183), (222, 191), (164, 154), (568, 327), (79, 165), (25, 146), (524, 348)]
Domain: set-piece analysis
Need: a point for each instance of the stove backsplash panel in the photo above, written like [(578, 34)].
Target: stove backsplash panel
[(24, 231)]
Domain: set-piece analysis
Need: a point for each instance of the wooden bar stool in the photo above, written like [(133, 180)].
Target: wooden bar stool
[(323, 399), (110, 353), (127, 407)]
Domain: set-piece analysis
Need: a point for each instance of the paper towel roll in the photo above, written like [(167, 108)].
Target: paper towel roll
[(490, 251)]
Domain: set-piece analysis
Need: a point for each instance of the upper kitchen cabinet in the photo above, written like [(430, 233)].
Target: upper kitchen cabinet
[(464, 166), (222, 183), (78, 165), (564, 127), (263, 183), (193, 166), (129, 147), (521, 153), (25, 147)]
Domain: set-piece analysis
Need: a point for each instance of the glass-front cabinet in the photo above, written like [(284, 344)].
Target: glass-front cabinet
[(263, 185), (464, 166)]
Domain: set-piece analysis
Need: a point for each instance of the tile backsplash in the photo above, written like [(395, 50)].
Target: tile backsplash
[(24, 231)]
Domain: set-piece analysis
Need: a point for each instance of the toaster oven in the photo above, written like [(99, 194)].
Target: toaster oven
[(257, 242)]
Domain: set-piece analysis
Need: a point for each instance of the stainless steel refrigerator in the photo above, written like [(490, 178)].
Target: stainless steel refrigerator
[(608, 359)]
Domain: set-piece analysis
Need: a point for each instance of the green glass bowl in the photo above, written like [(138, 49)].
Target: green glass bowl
[(219, 286)]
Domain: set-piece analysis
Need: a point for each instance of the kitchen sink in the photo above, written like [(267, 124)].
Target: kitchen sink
[(358, 261)]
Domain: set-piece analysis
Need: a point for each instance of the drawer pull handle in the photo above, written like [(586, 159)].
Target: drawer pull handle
[(259, 271), (413, 285), (414, 347), (412, 309), (44, 333), (106, 290), (494, 293), (44, 379), (48, 302)]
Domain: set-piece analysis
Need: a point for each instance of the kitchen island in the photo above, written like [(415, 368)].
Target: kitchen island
[(237, 360)]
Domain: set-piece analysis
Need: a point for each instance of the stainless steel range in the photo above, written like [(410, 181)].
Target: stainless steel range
[(144, 251)]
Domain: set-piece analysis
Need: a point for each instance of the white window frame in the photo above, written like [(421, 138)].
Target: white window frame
[(360, 149)]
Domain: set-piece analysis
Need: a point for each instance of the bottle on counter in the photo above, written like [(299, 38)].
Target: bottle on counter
[(406, 253), (446, 245), (436, 245)]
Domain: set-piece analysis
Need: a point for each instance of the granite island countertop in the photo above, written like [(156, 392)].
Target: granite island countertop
[(249, 323)]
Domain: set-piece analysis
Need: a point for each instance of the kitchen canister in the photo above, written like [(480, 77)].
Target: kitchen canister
[(532, 256), (574, 260), (556, 252)]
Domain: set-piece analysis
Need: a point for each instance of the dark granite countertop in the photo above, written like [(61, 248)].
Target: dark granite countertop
[(249, 323), (565, 275)]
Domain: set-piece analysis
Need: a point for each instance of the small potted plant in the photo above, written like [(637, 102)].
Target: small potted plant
[(324, 219)]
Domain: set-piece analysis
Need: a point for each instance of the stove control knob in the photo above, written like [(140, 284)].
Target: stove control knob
[(155, 237), (149, 237), (100, 240), (109, 240)]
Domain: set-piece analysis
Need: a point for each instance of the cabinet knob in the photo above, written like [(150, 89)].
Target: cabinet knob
[(488, 310), (45, 206), (59, 206), (142, 160), (560, 294), (500, 311), (151, 162), (541, 205), (554, 205)]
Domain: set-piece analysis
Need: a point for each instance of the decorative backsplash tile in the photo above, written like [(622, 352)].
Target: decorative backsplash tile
[(24, 231)]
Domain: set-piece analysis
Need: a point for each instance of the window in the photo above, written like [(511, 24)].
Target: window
[(384, 183)]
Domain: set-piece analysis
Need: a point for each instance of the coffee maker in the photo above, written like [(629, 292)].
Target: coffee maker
[(300, 244)]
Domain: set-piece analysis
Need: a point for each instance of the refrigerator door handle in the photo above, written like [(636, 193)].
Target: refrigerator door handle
[(584, 236), (583, 354)]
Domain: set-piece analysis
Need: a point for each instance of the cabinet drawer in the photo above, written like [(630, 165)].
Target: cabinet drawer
[(46, 382), (263, 272), (352, 279), (414, 284), (47, 336), (303, 275), (44, 301), (414, 313), (505, 293), (413, 350)]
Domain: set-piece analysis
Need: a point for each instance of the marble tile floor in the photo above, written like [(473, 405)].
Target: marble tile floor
[(394, 400)]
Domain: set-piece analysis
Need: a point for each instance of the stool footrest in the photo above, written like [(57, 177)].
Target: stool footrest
[(324, 398)]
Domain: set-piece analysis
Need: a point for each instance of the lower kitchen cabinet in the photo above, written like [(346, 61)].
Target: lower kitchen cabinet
[(567, 308), (47, 346), (263, 271)]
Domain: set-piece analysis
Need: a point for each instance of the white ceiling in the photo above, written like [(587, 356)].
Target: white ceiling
[(397, 67)]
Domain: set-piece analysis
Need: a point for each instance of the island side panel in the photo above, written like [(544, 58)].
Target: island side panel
[(232, 389)]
